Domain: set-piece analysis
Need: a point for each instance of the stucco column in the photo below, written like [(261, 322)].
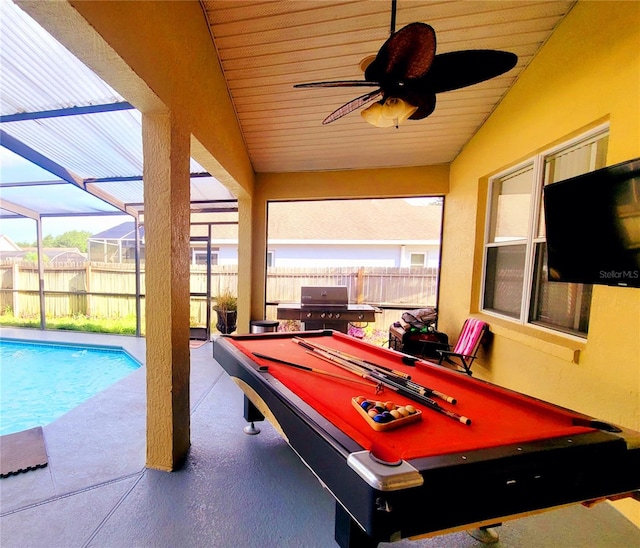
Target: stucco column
[(246, 310), (259, 251), (166, 223)]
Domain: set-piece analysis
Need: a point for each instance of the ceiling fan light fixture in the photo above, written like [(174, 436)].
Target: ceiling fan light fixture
[(364, 64), (392, 112)]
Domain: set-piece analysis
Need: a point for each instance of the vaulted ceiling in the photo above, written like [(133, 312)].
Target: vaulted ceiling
[(267, 47)]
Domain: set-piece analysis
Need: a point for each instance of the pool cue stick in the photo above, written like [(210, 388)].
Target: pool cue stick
[(420, 389), (363, 374), (312, 370), (350, 357), (351, 360), (365, 363), (396, 387), (410, 385), (431, 404), (423, 390)]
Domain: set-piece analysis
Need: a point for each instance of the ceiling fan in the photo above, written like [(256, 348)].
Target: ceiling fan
[(408, 74)]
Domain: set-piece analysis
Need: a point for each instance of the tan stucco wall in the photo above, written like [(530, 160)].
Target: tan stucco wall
[(588, 72)]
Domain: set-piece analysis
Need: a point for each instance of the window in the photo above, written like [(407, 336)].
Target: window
[(418, 259), (515, 271), (199, 256), (270, 259)]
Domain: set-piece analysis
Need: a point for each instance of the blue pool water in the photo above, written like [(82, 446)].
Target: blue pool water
[(41, 382)]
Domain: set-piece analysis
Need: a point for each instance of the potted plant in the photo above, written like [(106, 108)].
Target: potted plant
[(226, 308)]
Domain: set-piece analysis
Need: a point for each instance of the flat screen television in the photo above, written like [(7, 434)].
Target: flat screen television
[(593, 227)]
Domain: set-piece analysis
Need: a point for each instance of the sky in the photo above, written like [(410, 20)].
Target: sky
[(14, 169), (24, 230)]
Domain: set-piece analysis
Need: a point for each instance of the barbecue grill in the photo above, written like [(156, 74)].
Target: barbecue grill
[(326, 308)]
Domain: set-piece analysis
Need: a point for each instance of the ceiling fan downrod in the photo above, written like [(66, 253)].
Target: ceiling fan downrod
[(393, 17)]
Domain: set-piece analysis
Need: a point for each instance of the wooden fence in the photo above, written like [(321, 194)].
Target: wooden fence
[(108, 290), (379, 286)]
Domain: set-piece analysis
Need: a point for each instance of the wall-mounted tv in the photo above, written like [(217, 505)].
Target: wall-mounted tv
[(593, 227)]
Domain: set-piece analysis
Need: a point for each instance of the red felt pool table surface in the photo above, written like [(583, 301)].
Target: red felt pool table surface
[(499, 417)]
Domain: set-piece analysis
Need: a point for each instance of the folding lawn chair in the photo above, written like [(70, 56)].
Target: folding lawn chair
[(467, 346)]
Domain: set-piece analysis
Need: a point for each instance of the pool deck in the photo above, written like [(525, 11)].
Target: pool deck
[(234, 491)]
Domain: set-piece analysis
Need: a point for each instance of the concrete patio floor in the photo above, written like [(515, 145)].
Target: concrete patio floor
[(234, 490)]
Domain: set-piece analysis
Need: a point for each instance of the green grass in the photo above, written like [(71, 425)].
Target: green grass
[(118, 326), (127, 326)]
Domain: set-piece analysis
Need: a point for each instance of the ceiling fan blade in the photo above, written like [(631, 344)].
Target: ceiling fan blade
[(460, 69), (352, 105), (424, 100), (406, 55), (339, 84), (426, 107)]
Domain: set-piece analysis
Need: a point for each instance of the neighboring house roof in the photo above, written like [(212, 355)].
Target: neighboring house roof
[(7, 244), (359, 220), (52, 254), (123, 231), (373, 220)]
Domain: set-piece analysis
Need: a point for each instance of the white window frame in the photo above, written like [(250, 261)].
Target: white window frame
[(197, 252), (538, 163), (425, 258)]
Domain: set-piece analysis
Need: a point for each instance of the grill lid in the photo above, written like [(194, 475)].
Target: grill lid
[(324, 297)]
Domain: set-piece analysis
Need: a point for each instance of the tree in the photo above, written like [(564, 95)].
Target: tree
[(71, 238), (49, 241), (32, 257)]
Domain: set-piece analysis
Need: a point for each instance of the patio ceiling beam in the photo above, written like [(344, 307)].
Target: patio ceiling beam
[(21, 149), (87, 214), (71, 111), (122, 179), (194, 208), (66, 176), (132, 178), (214, 209), (133, 212), (214, 223), (19, 210), (33, 183), (229, 201)]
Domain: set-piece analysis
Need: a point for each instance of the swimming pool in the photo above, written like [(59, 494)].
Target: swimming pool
[(41, 382)]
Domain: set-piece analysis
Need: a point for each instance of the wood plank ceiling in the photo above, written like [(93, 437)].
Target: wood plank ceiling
[(267, 47)]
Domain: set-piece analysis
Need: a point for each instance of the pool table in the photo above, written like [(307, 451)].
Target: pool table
[(435, 474)]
